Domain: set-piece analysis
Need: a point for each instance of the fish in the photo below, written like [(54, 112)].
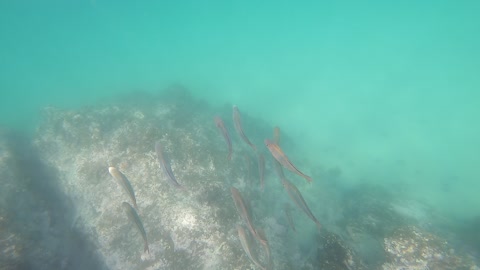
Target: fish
[(243, 210), (288, 214), (276, 135), (247, 246), (278, 154), (133, 216), (266, 246), (221, 126), (237, 121), (165, 164), (297, 198), (123, 181), (261, 169)]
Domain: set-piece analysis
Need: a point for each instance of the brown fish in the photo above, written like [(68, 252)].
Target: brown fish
[(243, 210), (297, 198), (133, 216), (237, 121), (221, 126), (247, 246), (276, 135), (123, 181), (278, 154), (266, 246)]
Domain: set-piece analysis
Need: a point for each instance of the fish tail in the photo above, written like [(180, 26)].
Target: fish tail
[(135, 204), (145, 248)]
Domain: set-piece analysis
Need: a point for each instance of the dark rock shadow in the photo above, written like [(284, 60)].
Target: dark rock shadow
[(36, 218)]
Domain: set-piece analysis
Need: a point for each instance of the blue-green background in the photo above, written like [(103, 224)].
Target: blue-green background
[(389, 91)]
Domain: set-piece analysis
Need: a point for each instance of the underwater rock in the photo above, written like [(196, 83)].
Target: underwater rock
[(74, 202), (35, 219), (369, 210), (412, 248), (389, 232), (192, 228), (333, 253)]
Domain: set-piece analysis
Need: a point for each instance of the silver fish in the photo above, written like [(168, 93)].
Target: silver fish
[(243, 210), (297, 198), (280, 156), (237, 122), (165, 164), (123, 181), (247, 246), (133, 216), (221, 126), (266, 246)]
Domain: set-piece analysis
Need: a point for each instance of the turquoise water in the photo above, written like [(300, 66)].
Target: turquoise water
[(386, 91)]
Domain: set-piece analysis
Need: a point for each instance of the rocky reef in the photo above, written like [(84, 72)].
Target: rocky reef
[(35, 215), (60, 208), (191, 229), (413, 248), (390, 232)]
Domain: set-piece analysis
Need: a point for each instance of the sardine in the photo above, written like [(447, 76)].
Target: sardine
[(243, 210), (133, 216), (237, 121), (278, 154), (221, 126), (261, 170), (123, 181), (276, 135), (165, 164), (297, 198), (247, 246)]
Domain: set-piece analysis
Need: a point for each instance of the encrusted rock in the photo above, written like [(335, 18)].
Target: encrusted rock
[(412, 248)]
